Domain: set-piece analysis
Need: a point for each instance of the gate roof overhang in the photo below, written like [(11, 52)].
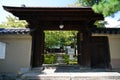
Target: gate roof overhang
[(52, 17)]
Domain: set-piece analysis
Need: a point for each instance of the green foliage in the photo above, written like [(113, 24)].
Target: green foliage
[(73, 61), (13, 22), (86, 2), (52, 59), (49, 58), (100, 23), (59, 38), (107, 7), (66, 58)]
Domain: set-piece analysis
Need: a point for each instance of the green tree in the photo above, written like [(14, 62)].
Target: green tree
[(13, 22), (60, 38), (100, 23), (107, 7), (86, 2), (90, 3)]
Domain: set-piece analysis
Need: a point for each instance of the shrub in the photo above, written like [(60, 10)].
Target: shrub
[(49, 58), (66, 58), (52, 59)]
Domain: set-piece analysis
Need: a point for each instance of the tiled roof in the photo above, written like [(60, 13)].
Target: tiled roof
[(94, 30), (14, 31), (106, 30)]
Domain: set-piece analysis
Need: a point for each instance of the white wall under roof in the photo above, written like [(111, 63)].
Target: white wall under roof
[(18, 50)]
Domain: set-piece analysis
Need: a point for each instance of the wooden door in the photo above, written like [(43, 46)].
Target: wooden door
[(99, 50)]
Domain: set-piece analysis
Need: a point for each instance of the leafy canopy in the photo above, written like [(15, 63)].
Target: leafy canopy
[(86, 2), (107, 7), (13, 22), (60, 38)]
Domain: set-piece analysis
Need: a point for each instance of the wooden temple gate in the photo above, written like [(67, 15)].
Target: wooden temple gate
[(92, 51)]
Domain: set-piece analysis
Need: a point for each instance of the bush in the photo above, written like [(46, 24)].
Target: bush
[(66, 58), (73, 62), (49, 58), (52, 59)]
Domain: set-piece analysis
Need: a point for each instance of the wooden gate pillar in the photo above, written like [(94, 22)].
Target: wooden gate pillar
[(79, 39), (83, 38), (37, 53)]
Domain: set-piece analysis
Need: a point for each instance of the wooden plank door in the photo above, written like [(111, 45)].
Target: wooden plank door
[(99, 50)]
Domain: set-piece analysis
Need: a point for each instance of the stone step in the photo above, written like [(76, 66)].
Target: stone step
[(69, 72), (72, 76), (62, 66), (69, 68)]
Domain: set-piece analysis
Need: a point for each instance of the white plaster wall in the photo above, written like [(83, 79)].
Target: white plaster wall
[(115, 50), (18, 53)]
